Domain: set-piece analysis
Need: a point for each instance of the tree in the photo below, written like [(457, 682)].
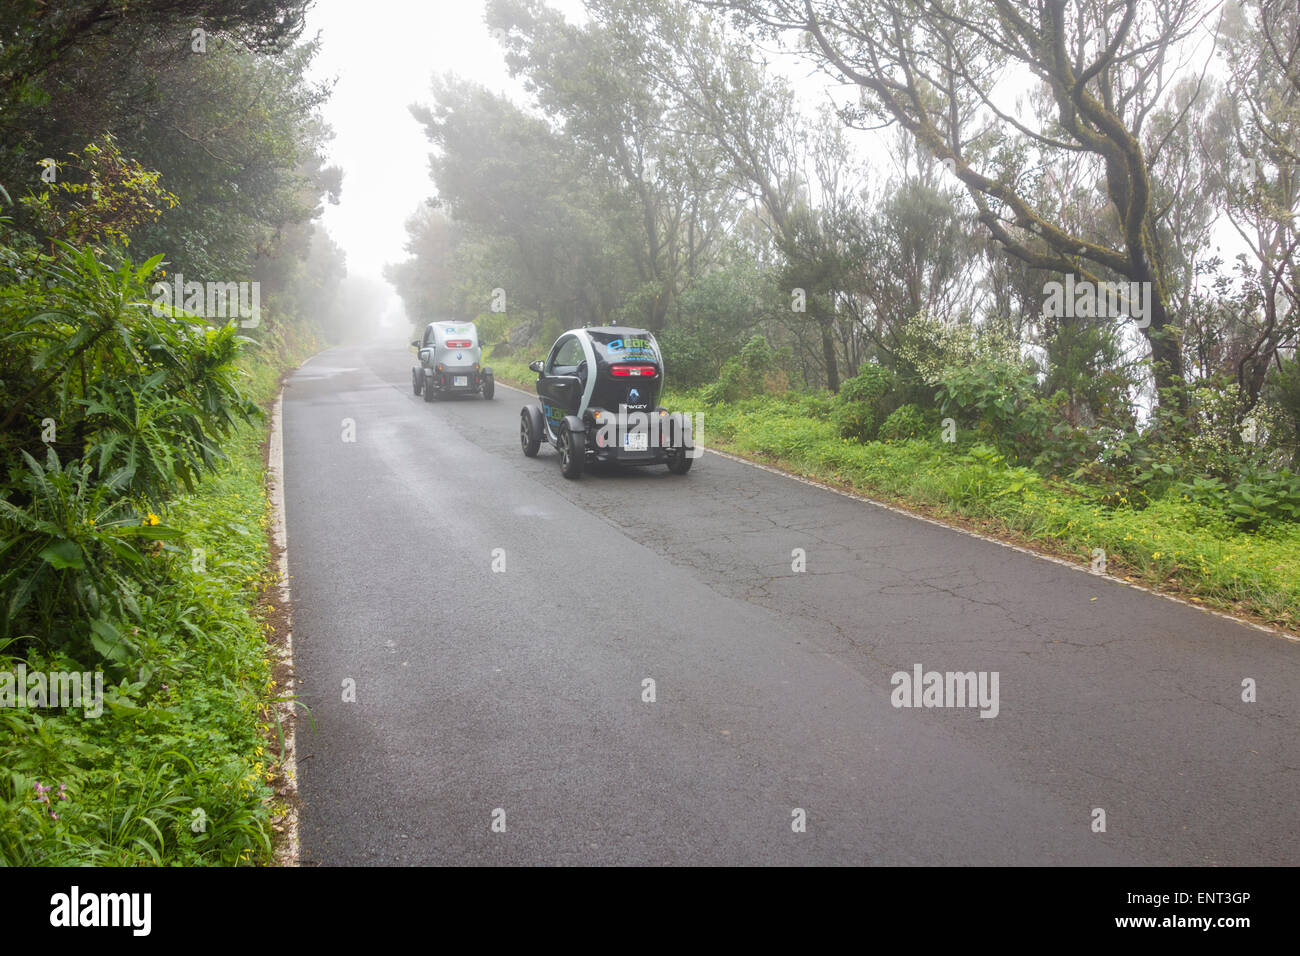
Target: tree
[(233, 133), (797, 173), (665, 191), (504, 174), (39, 35), (1255, 136), (916, 251), (932, 67)]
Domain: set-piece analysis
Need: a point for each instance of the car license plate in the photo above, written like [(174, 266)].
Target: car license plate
[(636, 441), (459, 380)]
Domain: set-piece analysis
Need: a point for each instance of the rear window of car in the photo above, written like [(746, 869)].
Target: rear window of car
[(629, 348), (456, 331)]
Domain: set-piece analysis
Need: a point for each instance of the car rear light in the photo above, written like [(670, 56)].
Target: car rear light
[(458, 343), (635, 371)]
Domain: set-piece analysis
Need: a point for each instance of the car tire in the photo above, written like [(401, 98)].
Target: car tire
[(430, 393), (573, 453), (527, 440), (680, 463), (489, 387), (417, 379)]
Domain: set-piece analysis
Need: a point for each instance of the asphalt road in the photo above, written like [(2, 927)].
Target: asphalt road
[(521, 691)]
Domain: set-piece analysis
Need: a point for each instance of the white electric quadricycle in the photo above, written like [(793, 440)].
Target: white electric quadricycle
[(451, 362)]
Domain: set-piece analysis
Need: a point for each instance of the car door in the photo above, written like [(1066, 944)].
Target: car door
[(560, 387), (426, 346)]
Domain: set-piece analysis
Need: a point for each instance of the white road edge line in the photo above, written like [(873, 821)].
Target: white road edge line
[(287, 854), (1295, 639)]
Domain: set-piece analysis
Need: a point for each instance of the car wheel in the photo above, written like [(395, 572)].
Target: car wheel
[(430, 393), (527, 440), (416, 380), (489, 387), (573, 453), (680, 463)]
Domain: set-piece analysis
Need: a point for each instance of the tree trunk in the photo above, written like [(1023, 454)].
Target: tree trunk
[(828, 356), (1166, 352)]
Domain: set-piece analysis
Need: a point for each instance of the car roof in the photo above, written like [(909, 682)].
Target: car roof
[(616, 330)]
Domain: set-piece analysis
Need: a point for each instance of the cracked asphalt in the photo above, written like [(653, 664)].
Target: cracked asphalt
[(517, 695)]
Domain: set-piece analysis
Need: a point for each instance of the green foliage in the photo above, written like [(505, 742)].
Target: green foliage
[(869, 386), (689, 358), (987, 475), (1282, 391), (69, 556), (756, 357), (744, 375), (855, 420), (185, 726), (714, 316), (145, 397), (1253, 500), (109, 412), (934, 347), (116, 195), (492, 327), (863, 402), (906, 421), (999, 399)]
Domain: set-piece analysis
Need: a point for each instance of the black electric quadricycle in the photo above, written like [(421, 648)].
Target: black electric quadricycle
[(598, 401), (451, 362)]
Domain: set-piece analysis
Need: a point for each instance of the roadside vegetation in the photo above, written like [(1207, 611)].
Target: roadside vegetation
[(133, 507)]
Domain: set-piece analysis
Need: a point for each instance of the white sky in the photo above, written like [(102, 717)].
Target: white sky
[(383, 54)]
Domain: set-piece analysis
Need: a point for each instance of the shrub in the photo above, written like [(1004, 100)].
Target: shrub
[(907, 421), (862, 402), (1000, 398), (69, 555), (855, 420), (869, 386), (750, 373), (688, 358), (140, 403), (1256, 498)]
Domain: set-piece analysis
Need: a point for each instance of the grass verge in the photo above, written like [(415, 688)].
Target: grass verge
[(178, 769)]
